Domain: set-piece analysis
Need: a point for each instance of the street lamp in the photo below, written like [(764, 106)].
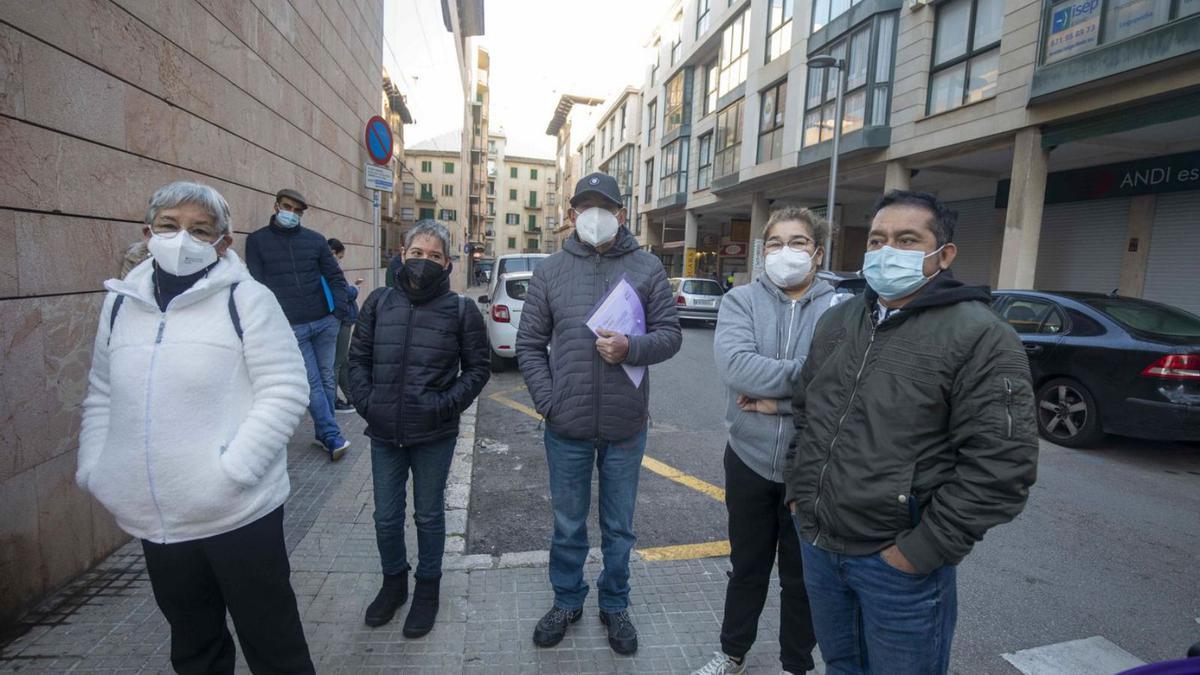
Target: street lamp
[(821, 63)]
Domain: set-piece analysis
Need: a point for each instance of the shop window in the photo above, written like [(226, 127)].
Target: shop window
[(966, 53), (770, 123), (1074, 27)]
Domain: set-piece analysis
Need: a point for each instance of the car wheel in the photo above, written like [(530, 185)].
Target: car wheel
[(1067, 414), (499, 363)]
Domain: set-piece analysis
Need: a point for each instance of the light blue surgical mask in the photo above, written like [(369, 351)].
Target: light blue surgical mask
[(894, 273), (287, 219)]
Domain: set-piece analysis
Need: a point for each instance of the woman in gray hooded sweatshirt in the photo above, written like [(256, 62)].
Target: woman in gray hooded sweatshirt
[(764, 330)]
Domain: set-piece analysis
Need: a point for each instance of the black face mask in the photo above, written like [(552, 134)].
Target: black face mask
[(421, 273)]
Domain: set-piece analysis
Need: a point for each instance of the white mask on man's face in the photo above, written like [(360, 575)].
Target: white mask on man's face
[(596, 226)]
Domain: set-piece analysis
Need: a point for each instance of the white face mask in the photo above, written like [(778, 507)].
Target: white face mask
[(787, 268), (182, 254), (596, 226)]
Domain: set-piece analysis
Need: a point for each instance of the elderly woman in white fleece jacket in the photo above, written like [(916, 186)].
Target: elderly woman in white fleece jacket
[(196, 386)]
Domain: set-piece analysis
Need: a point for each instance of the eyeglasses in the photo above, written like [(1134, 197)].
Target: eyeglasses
[(171, 230), (796, 244)]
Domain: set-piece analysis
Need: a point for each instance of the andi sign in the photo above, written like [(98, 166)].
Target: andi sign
[(1170, 173)]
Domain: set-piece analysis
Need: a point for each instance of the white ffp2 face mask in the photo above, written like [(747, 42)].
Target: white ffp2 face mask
[(596, 226), (182, 254), (788, 268)]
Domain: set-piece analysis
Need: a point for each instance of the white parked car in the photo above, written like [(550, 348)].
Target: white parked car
[(697, 299), (502, 314)]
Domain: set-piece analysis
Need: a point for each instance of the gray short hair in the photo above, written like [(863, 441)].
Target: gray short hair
[(186, 192), (431, 228)]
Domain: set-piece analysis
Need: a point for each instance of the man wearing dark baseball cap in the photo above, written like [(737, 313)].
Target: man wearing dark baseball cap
[(297, 265), (595, 415)]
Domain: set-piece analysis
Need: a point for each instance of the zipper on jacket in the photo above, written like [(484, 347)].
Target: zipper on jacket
[(1008, 403), (838, 431), (292, 254), (779, 434), (598, 364), (162, 522), (408, 331)]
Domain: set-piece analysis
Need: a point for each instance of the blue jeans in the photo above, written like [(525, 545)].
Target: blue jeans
[(872, 618), (430, 466), (318, 345), (619, 464)]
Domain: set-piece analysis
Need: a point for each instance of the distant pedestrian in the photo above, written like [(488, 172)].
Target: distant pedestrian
[(340, 404), (594, 414), (764, 331), (297, 265), (729, 281), (135, 255), (195, 388), (418, 359), (915, 436)]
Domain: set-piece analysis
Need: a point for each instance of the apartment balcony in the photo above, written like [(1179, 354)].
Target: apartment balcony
[(427, 197), (533, 206), (533, 230), (531, 250)]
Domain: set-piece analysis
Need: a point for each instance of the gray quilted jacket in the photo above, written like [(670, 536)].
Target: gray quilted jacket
[(580, 395)]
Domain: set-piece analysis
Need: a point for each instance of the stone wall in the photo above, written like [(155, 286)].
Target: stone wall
[(101, 102)]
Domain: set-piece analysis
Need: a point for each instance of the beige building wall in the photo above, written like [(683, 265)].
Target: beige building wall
[(103, 101)]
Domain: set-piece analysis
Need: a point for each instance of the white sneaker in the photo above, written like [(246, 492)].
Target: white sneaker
[(721, 664)]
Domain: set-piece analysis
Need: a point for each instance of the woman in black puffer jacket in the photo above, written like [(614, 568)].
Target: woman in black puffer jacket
[(419, 358)]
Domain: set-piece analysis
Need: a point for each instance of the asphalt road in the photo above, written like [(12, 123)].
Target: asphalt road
[(1107, 546)]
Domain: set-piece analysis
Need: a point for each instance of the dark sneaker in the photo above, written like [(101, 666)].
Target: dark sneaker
[(337, 448), (622, 636), (341, 407), (553, 627), (391, 596)]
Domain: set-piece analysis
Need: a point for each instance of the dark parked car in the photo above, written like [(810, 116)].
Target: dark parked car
[(1108, 364)]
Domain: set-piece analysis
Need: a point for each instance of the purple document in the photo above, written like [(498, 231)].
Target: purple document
[(621, 311)]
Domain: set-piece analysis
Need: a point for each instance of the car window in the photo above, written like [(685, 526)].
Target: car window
[(1083, 325), (701, 287), (519, 264), (516, 289), (1148, 317), (1030, 315)]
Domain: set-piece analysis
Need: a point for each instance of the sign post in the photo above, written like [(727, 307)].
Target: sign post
[(377, 178)]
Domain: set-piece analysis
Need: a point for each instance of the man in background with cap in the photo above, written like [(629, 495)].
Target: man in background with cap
[(594, 414), (298, 267)]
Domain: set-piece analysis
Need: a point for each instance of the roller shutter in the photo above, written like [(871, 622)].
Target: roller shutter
[(1082, 246), (979, 236), (1173, 267)]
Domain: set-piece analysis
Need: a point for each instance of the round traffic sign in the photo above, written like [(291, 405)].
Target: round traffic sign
[(378, 138)]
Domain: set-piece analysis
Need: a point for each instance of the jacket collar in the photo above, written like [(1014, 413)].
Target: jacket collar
[(819, 288), (625, 243), (139, 283)]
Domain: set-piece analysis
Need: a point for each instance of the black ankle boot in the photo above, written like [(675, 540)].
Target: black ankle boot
[(424, 608), (393, 594)]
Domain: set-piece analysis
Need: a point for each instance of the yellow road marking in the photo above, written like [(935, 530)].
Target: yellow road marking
[(671, 473), (711, 549)]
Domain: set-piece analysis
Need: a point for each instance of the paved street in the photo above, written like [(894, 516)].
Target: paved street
[(1099, 570)]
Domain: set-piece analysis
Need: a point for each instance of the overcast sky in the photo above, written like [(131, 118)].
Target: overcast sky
[(540, 49)]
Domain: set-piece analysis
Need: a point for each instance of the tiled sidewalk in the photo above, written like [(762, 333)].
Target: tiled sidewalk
[(107, 621)]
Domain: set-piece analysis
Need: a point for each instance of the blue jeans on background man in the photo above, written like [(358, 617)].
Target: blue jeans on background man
[(873, 618), (619, 464), (318, 345), (430, 467)]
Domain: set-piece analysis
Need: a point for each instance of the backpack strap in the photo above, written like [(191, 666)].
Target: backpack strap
[(112, 315), (462, 311), (233, 312)]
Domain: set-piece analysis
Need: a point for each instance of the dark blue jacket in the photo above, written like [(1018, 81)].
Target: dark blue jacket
[(351, 305), (291, 262)]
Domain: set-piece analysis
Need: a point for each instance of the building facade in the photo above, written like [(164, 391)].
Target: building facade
[(433, 174), (398, 209), (103, 103), (613, 148), (522, 200), (574, 117), (1060, 132)]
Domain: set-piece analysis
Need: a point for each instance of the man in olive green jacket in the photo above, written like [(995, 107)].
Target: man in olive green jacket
[(915, 435)]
